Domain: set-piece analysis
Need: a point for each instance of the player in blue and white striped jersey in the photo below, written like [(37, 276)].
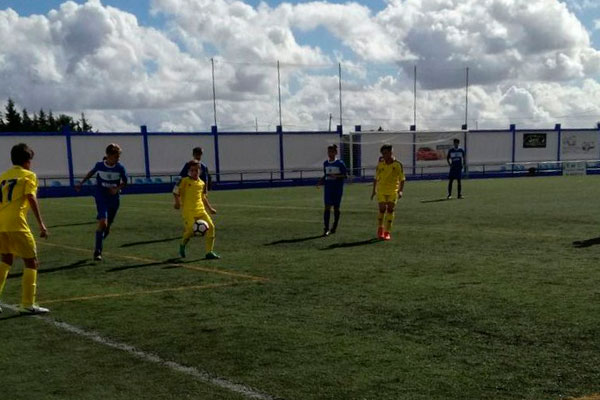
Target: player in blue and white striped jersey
[(334, 174), (457, 161), (111, 177)]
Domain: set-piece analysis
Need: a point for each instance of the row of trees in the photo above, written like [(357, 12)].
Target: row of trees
[(15, 121)]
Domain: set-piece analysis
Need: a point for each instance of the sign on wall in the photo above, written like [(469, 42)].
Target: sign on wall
[(580, 143), (534, 140)]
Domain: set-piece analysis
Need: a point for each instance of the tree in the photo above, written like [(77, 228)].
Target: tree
[(13, 118), (85, 126), (26, 122)]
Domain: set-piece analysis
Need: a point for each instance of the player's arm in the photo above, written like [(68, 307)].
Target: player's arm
[(464, 161), (177, 196), (401, 189), (35, 208), (85, 179), (123, 179), (448, 158), (207, 204), (374, 187)]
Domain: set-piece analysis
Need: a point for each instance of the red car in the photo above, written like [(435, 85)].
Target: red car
[(427, 154)]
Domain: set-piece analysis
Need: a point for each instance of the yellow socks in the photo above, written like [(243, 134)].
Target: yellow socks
[(380, 219), (4, 268), (209, 241), (389, 221), (28, 287)]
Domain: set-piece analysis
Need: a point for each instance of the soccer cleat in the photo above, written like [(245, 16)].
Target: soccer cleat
[(448, 197), (0, 309), (326, 232), (380, 234), (212, 256), (460, 196), (332, 231), (182, 250), (97, 256), (387, 236), (33, 309)]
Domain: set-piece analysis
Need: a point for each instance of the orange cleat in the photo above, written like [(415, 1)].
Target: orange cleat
[(387, 236), (380, 234)]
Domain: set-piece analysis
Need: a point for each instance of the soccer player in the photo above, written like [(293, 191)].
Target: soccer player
[(204, 175), (18, 187), (334, 174), (111, 177), (457, 162), (190, 197), (389, 186)]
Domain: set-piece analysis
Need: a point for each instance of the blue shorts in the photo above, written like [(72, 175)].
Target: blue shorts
[(333, 196), (107, 206), (455, 173)]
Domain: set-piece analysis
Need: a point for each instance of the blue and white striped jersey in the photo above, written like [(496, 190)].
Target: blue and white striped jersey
[(456, 156), (107, 176)]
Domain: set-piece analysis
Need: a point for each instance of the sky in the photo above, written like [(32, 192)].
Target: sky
[(126, 63)]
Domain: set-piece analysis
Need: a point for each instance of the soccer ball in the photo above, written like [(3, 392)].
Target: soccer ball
[(200, 227)]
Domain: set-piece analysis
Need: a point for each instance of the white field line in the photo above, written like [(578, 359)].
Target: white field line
[(203, 376)]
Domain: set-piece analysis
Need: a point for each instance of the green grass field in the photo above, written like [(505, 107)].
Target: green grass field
[(481, 298)]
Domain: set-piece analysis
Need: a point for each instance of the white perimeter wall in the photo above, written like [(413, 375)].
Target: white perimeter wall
[(168, 154), (248, 153), (580, 145), (50, 158), (307, 151), (536, 154), (88, 150), (489, 147)]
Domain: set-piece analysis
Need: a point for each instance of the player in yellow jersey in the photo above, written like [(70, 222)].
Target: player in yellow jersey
[(190, 197), (388, 185), (18, 187)]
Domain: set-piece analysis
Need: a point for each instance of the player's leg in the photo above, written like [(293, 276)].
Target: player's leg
[(450, 181), (209, 238), (459, 186), (326, 218), (111, 214), (389, 220), (25, 248), (381, 215), (188, 233), (102, 217), (336, 210), (6, 261)]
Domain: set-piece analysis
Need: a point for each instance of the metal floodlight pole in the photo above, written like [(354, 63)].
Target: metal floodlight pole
[(340, 84), (415, 98), (467, 99), (212, 63), (279, 91)]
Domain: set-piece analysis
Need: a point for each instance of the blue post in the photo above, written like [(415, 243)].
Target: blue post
[(281, 161), (513, 130), (66, 130), (558, 128), (144, 130), (215, 133), (414, 151), (355, 161)]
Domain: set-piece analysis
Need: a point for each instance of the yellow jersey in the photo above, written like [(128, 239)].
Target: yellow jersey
[(191, 192), (389, 176), (15, 184)]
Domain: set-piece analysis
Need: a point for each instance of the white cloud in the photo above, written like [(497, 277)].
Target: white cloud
[(529, 60)]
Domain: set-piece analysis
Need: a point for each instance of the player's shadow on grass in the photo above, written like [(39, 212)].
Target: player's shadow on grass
[(352, 244), (168, 264), (73, 224), (76, 264), (17, 315), (435, 200), (586, 243), (149, 242), (296, 240)]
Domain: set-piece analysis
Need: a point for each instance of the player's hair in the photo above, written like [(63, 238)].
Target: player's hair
[(113, 148), (20, 154), (456, 140), (385, 147), (332, 147), (197, 150), (193, 163)]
